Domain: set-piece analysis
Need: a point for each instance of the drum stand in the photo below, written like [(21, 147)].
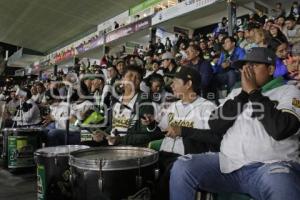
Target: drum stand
[(69, 93)]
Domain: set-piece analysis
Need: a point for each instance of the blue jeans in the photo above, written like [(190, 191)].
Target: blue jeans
[(228, 78), (56, 137), (51, 126), (276, 181)]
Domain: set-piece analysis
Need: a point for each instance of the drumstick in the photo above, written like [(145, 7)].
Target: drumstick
[(104, 133)]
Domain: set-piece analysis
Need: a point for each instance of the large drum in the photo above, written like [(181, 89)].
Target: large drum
[(111, 172), (19, 145), (53, 171)]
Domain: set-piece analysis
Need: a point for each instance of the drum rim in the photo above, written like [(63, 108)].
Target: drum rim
[(40, 153), (113, 165), (22, 129)]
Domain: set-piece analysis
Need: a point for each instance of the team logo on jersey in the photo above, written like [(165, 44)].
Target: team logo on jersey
[(296, 102), (179, 122)]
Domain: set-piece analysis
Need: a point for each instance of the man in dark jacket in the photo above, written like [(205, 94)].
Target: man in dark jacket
[(125, 126), (203, 67), (259, 153), (169, 69)]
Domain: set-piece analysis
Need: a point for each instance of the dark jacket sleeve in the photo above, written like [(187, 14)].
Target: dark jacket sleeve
[(223, 118), (141, 138), (199, 141), (278, 124), (206, 72), (202, 135)]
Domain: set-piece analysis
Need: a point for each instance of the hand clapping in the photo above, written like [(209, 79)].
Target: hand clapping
[(173, 131)]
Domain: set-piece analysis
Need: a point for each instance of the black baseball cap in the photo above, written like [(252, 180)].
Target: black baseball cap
[(257, 55), (189, 73)]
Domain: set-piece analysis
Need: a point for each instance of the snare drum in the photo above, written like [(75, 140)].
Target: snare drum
[(53, 171), (111, 172), (19, 145)]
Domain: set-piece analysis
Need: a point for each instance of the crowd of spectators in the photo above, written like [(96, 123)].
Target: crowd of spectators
[(177, 70)]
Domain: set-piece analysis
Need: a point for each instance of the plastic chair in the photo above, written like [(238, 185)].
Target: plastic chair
[(155, 144)]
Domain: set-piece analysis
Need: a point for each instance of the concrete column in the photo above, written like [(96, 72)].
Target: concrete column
[(231, 10), (152, 33)]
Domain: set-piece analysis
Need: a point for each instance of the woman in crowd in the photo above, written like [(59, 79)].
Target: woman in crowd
[(261, 37), (280, 47), (275, 32)]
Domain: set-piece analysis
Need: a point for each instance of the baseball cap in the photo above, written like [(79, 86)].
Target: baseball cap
[(189, 73), (257, 55), (167, 56), (120, 60)]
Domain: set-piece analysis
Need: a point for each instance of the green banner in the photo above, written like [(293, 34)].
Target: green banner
[(20, 151), (142, 6), (41, 182)]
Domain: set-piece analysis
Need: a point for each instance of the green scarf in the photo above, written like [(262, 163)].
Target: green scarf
[(274, 83)]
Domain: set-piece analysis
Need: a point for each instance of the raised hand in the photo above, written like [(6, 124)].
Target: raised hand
[(248, 79)]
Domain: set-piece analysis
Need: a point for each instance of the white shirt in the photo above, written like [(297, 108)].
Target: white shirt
[(160, 109), (59, 112), (77, 109), (31, 117), (247, 140), (193, 115)]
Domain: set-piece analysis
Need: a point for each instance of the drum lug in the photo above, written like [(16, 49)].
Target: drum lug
[(156, 173), (100, 184), (55, 160), (100, 180), (35, 159), (139, 181), (72, 177), (139, 178)]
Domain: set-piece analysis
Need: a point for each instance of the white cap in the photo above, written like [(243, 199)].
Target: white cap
[(168, 56)]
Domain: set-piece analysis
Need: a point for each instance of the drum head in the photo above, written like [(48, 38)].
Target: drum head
[(59, 150), (113, 158)]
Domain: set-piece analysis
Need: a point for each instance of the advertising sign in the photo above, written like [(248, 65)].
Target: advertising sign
[(90, 45), (129, 29), (180, 9)]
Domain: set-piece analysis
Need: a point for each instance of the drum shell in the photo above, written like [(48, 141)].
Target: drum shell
[(116, 184), (53, 174), (19, 145), (120, 177)]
